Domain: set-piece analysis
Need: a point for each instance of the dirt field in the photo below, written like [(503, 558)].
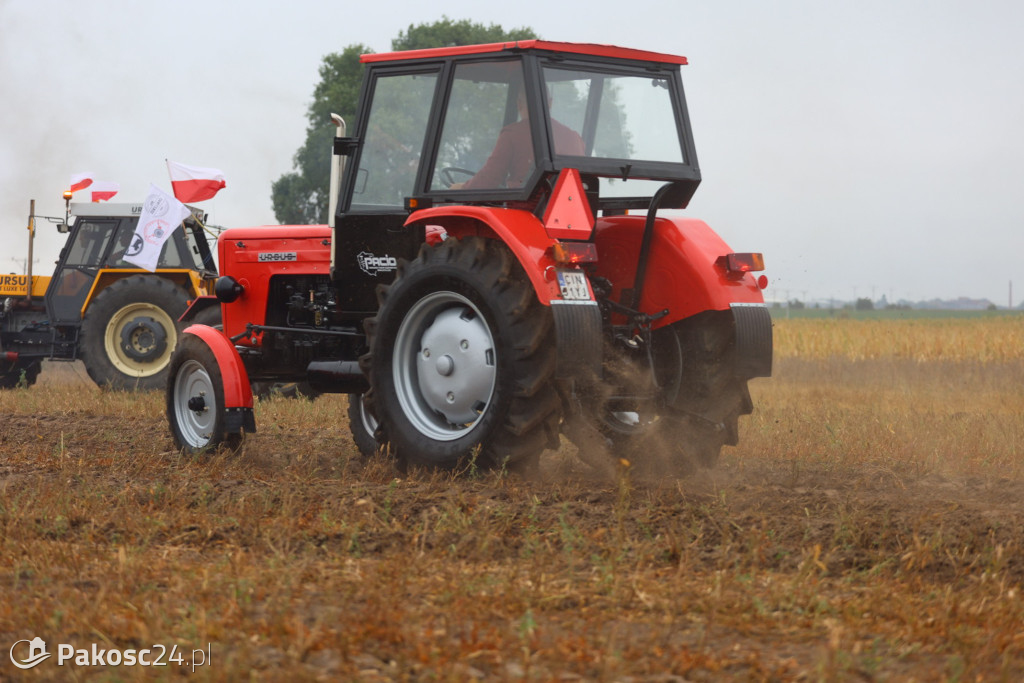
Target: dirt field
[(869, 527)]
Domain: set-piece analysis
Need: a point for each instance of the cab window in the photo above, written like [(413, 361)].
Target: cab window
[(90, 243), (394, 137), (486, 142)]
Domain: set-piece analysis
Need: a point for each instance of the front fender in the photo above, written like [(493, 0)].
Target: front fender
[(237, 392)]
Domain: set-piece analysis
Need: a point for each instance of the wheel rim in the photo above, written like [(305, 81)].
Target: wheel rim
[(195, 406), (139, 339), (368, 421), (445, 366)]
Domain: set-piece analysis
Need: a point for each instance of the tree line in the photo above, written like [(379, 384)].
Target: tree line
[(300, 196)]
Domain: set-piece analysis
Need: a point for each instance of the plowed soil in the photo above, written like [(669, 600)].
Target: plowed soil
[(844, 539)]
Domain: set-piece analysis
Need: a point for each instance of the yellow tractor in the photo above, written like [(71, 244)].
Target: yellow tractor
[(119, 320)]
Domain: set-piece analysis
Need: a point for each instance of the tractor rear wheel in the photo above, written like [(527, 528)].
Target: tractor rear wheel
[(195, 399), (129, 332), (698, 399), (462, 360)]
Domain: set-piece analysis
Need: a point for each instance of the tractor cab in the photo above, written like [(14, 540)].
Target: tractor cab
[(494, 125), (93, 256)]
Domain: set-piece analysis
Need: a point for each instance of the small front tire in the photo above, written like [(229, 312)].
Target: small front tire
[(195, 399), (363, 425)]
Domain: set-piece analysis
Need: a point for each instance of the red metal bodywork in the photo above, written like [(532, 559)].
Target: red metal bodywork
[(590, 49), (237, 392), (682, 275), (520, 230), (239, 250)]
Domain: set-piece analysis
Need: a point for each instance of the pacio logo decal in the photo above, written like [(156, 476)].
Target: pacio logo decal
[(372, 264)]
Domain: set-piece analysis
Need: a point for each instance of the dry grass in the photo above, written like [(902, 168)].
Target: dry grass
[(985, 339), (868, 527)]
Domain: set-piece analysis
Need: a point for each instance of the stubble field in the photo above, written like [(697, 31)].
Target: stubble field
[(869, 526)]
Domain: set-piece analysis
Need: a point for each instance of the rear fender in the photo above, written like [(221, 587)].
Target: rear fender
[(237, 392), (578, 323), (186, 279), (682, 276), (524, 234)]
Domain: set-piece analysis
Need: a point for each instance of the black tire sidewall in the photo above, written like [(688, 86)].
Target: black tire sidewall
[(209, 316)]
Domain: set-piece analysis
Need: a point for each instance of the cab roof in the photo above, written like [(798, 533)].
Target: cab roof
[(117, 210), (591, 49)]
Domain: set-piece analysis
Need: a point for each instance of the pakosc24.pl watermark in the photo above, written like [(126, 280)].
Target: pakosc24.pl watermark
[(26, 654)]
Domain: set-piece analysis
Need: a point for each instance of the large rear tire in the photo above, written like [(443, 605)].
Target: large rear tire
[(129, 332), (195, 399), (462, 360), (697, 399)]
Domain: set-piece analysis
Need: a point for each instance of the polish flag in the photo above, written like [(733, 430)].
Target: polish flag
[(103, 190), (193, 183), (80, 181)]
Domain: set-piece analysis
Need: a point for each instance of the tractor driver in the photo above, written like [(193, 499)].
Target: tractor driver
[(511, 161)]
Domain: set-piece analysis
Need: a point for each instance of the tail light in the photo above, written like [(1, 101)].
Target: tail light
[(741, 263), (737, 265), (573, 252)]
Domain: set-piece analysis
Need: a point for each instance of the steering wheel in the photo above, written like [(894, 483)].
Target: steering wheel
[(447, 174)]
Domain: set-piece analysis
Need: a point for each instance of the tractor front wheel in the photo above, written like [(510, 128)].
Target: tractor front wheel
[(362, 425), (195, 399), (129, 332)]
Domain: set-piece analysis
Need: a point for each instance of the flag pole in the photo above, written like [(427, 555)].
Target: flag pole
[(31, 239)]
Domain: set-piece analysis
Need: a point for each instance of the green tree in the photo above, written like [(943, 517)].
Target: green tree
[(448, 33), (300, 196)]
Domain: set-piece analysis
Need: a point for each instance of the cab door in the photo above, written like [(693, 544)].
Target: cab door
[(80, 260), (369, 233)]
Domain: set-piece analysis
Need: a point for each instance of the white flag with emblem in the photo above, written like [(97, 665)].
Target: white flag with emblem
[(161, 216)]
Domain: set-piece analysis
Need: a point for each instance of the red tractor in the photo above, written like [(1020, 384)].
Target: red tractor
[(503, 266)]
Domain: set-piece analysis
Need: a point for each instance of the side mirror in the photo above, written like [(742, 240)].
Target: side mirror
[(63, 228)]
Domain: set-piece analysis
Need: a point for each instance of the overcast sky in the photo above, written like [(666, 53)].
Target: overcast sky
[(867, 148)]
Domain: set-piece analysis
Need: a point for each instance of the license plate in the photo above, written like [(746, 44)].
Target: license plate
[(573, 285)]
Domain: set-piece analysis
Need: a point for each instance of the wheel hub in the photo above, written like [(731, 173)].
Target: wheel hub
[(456, 365), (445, 366), (143, 339), (195, 418)]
